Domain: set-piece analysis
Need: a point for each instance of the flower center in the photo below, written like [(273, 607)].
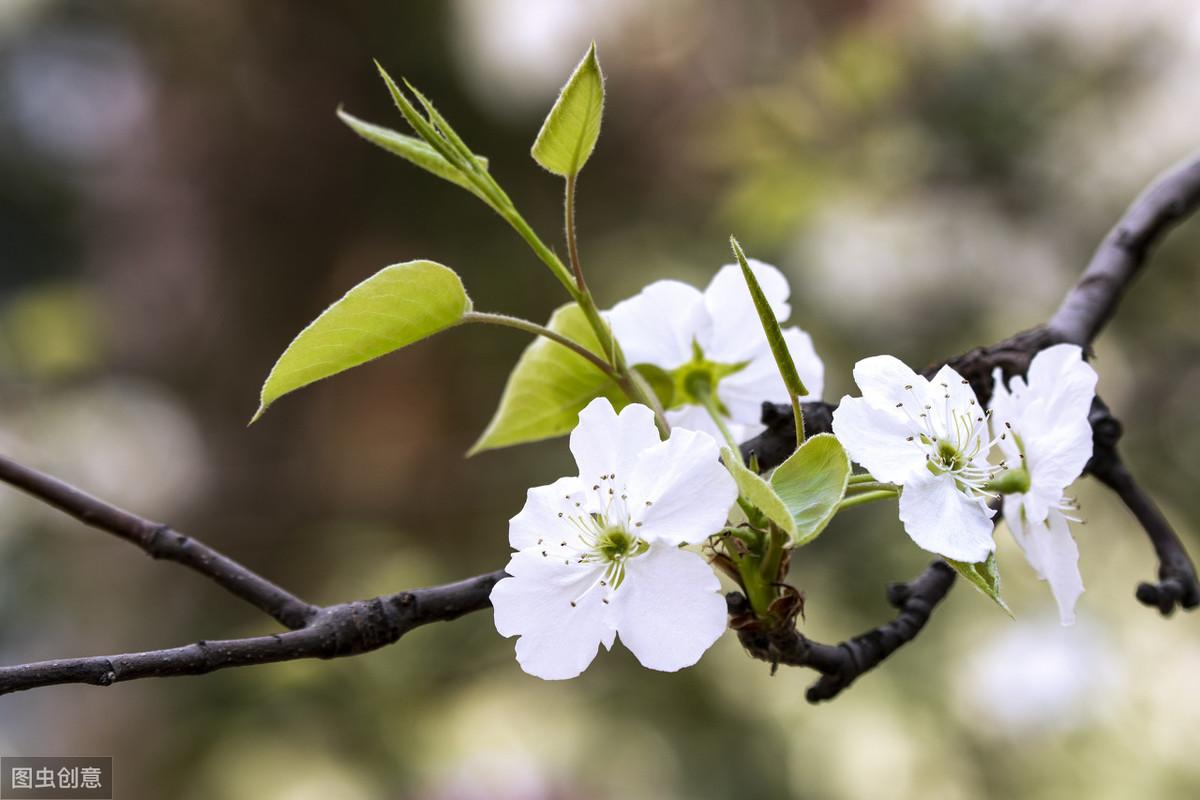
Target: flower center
[(952, 439), (695, 382)]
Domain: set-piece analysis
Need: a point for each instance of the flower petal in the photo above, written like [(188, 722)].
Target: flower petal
[(886, 381), (558, 640), (607, 443), (658, 325), (669, 609), (943, 520), (876, 438), (545, 514), (744, 391), (1064, 380), (1055, 457), (679, 492), (1051, 551), (736, 332)]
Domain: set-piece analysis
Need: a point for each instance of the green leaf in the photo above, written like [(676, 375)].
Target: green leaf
[(758, 493), (413, 150), (395, 307), (811, 483), (570, 131), (984, 576), (549, 387), (779, 348)]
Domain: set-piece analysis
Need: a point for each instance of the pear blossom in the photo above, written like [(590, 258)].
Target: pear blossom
[(598, 555), (931, 438), (1043, 427), (711, 343)]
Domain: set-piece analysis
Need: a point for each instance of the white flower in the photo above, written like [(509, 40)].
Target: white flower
[(598, 555), (713, 342), (930, 437), (1043, 426)]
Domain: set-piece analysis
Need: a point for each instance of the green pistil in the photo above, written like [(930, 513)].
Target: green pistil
[(696, 381)]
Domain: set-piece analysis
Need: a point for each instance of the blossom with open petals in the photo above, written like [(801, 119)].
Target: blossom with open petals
[(712, 343), (1042, 422), (599, 555), (930, 437)]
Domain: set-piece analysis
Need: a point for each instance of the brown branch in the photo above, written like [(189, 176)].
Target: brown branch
[(1093, 300), (1178, 584), (361, 626), (346, 629), (842, 664), (160, 541)]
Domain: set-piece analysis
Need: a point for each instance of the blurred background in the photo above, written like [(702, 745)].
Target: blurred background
[(177, 200)]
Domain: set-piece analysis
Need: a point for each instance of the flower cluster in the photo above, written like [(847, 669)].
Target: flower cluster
[(932, 438), (603, 554)]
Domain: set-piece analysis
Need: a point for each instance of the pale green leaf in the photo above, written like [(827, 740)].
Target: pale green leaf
[(984, 576), (758, 493), (570, 131), (811, 483), (413, 150), (549, 387), (395, 307)]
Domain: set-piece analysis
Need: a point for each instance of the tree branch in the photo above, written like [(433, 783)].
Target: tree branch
[(1178, 584), (161, 542), (841, 664), (1093, 300), (364, 625), (346, 629)]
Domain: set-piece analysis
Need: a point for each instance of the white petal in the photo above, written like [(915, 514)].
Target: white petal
[(884, 382), (669, 610), (1051, 551), (1064, 381), (692, 418), (961, 398), (1055, 458), (737, 332), (688, 491), (876, 439), (557, 640), (744, 391), (546, 514), (943, 520), (605, 443), (658, 325), (1005, 412)]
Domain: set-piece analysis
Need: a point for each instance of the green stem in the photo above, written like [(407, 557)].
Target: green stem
[(572, 241), (867, 497), (862, 477), (540, 330), (863, 486), (710, 405)]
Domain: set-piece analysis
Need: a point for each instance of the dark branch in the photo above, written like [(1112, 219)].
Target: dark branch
[(1090, 304), (365, 625), (160, 541), (347, 629), (1178, 584), (841, 664)]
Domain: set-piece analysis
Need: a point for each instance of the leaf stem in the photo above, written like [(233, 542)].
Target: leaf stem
[(572, 239), (867, 497), (863, 486), (506, 321)]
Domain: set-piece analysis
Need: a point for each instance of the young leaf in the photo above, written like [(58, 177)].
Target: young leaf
[(758, 493), (984, 576), (549, 387), (394, 307), (811, 483), (413, 150), (570, 131), (779, 348)]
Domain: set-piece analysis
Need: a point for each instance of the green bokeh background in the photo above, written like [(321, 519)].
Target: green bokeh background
[(177, 199)]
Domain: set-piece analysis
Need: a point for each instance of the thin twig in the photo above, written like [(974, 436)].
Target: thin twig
[(162, 542)]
